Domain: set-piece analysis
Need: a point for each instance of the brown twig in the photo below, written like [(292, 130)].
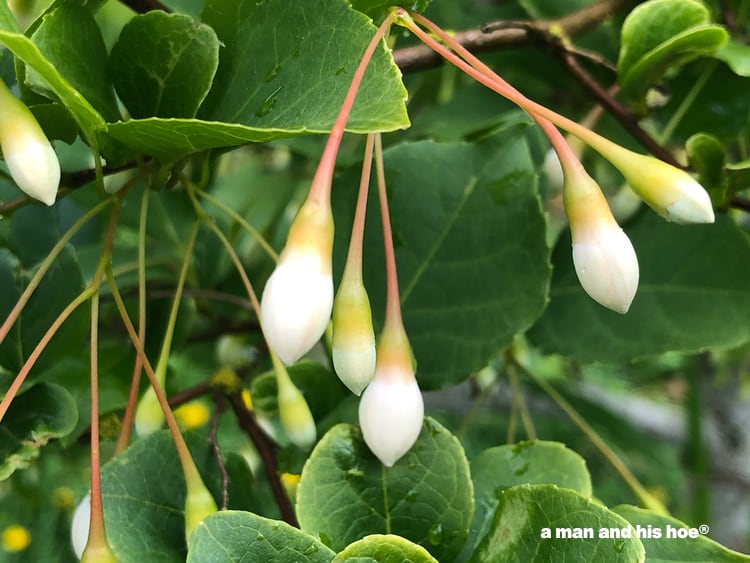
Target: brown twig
[(740, 203), (265, 449), (619, 111), (499, 35)]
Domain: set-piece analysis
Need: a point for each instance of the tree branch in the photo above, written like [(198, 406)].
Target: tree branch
[(497, 35), (265, 449)]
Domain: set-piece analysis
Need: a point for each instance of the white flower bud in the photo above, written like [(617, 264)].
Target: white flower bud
[(31, 160), (79, 529), (607, 266), (604, 258), (390, 414), (669, 191), (298, 297)]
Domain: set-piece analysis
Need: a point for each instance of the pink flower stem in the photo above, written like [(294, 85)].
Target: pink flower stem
[(393, 319), (321, 184), (189, 468), (565, 153), (490, 79), (354, 256)]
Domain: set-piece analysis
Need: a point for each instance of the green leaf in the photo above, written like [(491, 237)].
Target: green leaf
[(663, 34), (164, 64), (43, 413), (674, 549), (143, 491), (296, 80), (706, 157), (88, 118), (7, 19), (70, 39), (737, 56), (693, 295), (738, 176), (62, 283), (473, 271), (533, 463), (345, 493), (377, 9), (231, 536), (388, 548), (526, 513), (171, 139)]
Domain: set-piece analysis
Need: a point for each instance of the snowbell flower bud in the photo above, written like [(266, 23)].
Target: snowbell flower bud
[(148, 414), (392, 409), (298, 297), (28, 153), (199, 505), (296, 418), (669, 191), (79, 529), (604, 258), (353, 347)]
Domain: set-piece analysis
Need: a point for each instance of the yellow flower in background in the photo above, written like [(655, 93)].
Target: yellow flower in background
[(15, 538), (192, 415)]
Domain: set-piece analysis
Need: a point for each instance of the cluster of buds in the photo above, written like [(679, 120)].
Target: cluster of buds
[(603, 256), (31, 160), (298, 301)]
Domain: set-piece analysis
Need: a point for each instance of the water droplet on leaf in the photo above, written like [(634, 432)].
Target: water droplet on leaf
[(311, 549), (260, 537), (273, 73), (267, 105), (435, 534)]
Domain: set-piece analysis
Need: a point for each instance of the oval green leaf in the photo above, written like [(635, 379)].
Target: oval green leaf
[(165, 64), (70, 39), (232, 536), (384, 548), (143, 491), (345, 493), (45, 412), (661, 34), (680, 547), (533, 463), (542, 523), (286, 66)]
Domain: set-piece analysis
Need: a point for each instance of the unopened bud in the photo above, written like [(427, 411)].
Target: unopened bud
[(31, 160), (296, 418), (392, 409), (148, 414), (79, 529), (298, 297), (604, 258), (199, 504), (353, 347), (671, 192)]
